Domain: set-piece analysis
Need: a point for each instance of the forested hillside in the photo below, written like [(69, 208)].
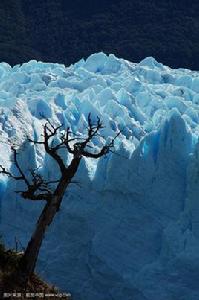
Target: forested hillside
[(65, 31)]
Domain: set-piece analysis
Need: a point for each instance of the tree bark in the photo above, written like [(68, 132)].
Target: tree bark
[(29, 259)]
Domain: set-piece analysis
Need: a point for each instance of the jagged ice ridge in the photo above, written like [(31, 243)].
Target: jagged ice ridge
[(132, 230)]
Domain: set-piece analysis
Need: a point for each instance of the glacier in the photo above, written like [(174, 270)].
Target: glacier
[(132, 230)]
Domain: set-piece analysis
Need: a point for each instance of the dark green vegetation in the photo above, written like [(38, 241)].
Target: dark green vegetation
[(65, 31)]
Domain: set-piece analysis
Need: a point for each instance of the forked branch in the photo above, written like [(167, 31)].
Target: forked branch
[(39, 189)]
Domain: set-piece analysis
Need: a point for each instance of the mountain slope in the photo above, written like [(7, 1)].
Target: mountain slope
[(65, 31)]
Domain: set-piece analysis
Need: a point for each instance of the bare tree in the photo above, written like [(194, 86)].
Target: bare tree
[(53, 191)]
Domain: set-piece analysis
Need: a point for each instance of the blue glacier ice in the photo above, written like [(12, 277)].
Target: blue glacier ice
[(132, 230)]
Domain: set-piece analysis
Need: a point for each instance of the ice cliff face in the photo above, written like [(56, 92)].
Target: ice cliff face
[(132, 230)]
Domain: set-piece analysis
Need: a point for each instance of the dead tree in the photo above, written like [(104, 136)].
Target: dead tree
[(52, 192)]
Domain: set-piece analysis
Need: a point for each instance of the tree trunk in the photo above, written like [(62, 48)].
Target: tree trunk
[(29, 259)]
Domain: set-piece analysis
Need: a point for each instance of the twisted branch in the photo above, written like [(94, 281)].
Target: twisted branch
[(40, 189)]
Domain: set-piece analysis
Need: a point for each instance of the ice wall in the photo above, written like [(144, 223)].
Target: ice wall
[(132, 230)]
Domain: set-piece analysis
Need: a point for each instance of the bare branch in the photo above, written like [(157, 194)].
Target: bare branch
[(9, 174), (78, 146), (105, 149), (35, 142), (38, 197), (50, 150), (23, 177)]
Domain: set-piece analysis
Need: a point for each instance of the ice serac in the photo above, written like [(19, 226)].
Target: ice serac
[(132, 231)]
